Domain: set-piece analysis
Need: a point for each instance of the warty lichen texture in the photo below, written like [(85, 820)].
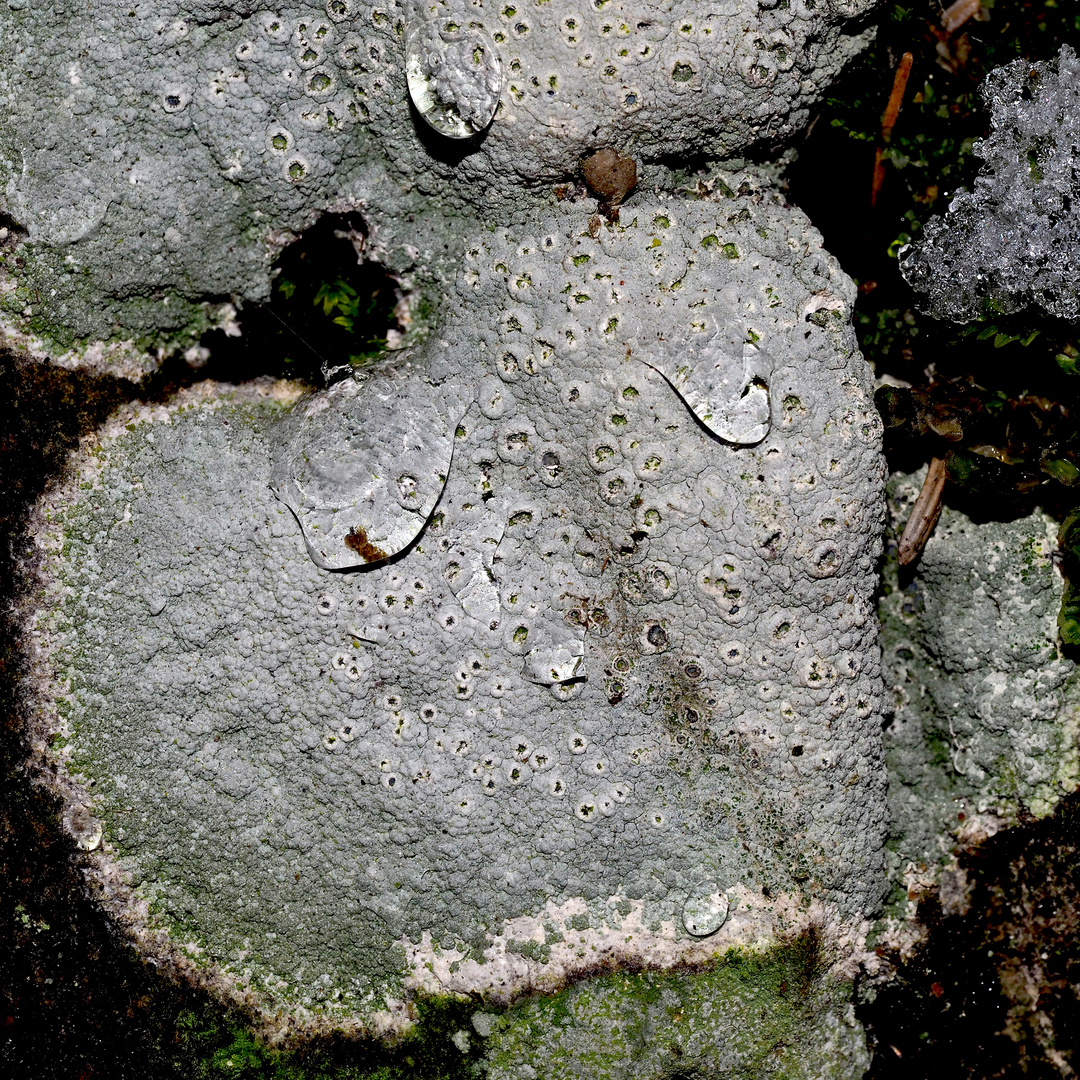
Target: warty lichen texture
[(984, 709), (1014, 240), (155, 158), (542, 647), (620, 658)]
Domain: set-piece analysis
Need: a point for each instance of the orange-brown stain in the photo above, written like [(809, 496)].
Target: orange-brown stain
[(356, 540)]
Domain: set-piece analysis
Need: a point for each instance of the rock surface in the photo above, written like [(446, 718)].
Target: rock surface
[(986, 710), (151, 176), (1013, 241)]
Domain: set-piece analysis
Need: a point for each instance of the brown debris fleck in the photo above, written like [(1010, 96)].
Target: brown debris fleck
[(611, 176), (357, 541)]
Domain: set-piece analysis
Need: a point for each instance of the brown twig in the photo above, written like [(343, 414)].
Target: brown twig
[(924, 514), (955, 15), (888, 122)]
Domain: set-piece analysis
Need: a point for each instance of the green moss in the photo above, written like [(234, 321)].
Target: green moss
[(212, 1045), (747, 1016), (147, 324)]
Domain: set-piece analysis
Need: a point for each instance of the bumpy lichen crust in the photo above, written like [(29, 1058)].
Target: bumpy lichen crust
[(986, 712), (159, 160), (622, 658), (1014, 240)]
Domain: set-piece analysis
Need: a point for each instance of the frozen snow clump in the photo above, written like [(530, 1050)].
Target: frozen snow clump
[(1015, 240)]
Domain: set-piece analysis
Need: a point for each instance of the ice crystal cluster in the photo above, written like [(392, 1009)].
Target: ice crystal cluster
[(1014, 240)]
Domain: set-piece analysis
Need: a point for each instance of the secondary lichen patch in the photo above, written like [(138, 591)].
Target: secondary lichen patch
[(1011, 241), (984, 719)]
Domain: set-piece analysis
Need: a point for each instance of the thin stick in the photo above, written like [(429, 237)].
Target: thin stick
[(879, 175), (924, 514), (892, 110), (888, 122), (954, 16)]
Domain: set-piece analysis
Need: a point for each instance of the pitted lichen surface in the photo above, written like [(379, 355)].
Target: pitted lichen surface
[(985, 719), (155, 158), (623, 676), (541, 647), (1012, 242)]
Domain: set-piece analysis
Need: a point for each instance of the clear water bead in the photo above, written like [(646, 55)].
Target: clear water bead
[(705, 910), (454, 74)]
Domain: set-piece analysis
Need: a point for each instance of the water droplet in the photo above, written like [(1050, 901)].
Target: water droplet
[(84, 828), (454, 74), (724, 379), (555, 662), (362, 464), (705, 910)]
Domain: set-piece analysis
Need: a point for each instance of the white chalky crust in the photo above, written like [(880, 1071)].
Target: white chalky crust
[(160, 170), (622, 658)]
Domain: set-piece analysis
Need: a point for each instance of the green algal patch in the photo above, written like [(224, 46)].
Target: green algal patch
[(171, 884), (750, 1009), (211, 1044)]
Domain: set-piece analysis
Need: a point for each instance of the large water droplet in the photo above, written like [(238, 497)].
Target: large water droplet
[(705, 910), (454, 74), (362, 464), (724, 380)]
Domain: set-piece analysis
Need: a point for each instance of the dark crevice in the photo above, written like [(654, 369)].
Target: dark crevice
[(997, 983), (11, 232), (329, 307)]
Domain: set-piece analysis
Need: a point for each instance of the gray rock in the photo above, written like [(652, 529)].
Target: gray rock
[(1014, 241), (622, 660), (151, 177), (542, 648), (986, 711)]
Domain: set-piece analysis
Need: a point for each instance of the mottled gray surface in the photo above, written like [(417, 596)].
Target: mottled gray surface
[(985, 721), (1013, 241), (725, 1024), (624, 666), (545, 647), (155, 159)]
